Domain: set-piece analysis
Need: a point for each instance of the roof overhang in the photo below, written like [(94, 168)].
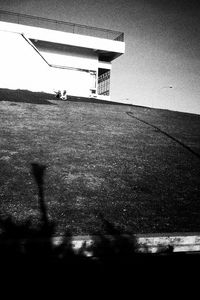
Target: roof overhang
[(105, 48)]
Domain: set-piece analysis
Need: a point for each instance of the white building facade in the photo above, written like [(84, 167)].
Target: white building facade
[(45, 55)]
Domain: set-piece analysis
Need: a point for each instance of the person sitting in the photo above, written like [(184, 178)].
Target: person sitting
[(58, 94), (64, 95), (61, 94)]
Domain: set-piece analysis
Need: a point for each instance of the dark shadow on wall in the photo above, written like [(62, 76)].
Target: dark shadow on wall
[(25, 96)]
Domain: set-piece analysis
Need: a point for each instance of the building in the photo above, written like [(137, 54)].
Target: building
[(46, 55)]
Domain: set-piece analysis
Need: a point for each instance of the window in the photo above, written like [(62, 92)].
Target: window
[(104, 82)]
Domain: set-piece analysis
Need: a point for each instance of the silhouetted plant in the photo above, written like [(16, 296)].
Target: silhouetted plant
[(114, 245)]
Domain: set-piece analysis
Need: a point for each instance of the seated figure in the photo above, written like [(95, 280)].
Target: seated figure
[(61, 94)]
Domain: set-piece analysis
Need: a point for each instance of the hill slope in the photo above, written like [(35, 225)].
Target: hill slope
[(138, 167)]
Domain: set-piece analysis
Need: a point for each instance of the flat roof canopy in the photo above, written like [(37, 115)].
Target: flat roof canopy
[(106, 49)]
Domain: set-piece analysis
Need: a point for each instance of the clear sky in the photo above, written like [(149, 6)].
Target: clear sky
[(161, 66)]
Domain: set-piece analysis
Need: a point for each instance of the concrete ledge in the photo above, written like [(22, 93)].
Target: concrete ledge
[(181, 242), (151, 243), (145, 243)]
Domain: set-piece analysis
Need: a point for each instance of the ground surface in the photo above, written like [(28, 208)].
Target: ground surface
[(100, 158)]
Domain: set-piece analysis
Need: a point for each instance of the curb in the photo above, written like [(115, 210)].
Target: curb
[(151, 243), (145, 243)]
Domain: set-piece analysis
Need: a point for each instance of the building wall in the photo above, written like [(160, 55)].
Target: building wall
[(41, 59), (23, 68), (77, 83)]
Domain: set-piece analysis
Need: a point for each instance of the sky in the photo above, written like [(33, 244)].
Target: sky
[(161, 64)]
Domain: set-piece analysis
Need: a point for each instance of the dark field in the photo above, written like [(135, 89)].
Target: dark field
[(99, 159)]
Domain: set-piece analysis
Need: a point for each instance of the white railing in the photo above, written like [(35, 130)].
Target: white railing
[(30, 20)]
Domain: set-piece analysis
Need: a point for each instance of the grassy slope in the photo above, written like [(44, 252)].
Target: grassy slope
[(99, 160)]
